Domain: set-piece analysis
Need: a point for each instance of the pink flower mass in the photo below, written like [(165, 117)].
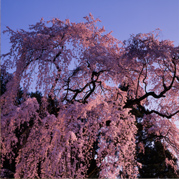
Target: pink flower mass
[(112, 85)]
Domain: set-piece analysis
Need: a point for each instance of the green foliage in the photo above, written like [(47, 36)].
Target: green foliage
[(19, 98), (153, 162), (37, 95), (153, 156), (4, 79), (53, 107)]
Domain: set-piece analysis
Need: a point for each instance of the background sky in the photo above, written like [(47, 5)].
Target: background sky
[(123, 17)]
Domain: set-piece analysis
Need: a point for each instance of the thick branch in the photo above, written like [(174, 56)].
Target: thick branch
[(91, 85), (162, 115), (146, 111), (132, 102)]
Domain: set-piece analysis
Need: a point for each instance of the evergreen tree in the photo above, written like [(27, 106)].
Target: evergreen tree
[(4, 79), (152, 155)]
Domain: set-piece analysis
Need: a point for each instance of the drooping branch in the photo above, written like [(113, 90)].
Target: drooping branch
[(142, 110), (162, 115), (173, 79), (138, 81)]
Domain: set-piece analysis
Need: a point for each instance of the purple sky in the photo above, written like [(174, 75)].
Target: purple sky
[(123, 17)]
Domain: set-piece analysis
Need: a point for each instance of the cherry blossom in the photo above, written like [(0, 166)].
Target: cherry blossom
[(102, 85)]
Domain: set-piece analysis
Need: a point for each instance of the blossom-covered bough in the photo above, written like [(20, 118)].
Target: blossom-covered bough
[(102, 85)]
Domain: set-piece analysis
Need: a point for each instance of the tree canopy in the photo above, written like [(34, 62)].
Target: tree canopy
[(94, 88)]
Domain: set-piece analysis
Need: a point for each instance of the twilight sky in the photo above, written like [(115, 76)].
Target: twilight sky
[(123, 17)]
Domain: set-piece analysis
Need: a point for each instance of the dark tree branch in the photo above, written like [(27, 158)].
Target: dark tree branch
[(145, 79), (146, 111), (138, 81), (132, 102), (162, 115), (91, 85)]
